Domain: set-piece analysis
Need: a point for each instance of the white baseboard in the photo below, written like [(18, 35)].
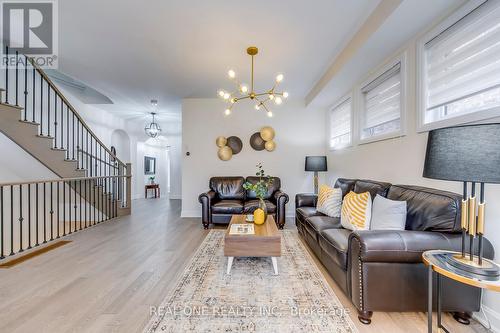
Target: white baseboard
[(191, 213), (492, 319)]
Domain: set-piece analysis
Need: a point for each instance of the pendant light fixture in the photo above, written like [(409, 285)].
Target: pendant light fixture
[(153, 129), (245, 92)]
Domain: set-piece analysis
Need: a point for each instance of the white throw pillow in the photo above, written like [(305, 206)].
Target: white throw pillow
[(329, 201), (388, 214)]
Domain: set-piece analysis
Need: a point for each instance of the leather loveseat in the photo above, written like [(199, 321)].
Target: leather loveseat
[(382, 270), (227, 197)]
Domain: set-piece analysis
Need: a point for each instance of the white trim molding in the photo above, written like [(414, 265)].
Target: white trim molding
[(489, 318)]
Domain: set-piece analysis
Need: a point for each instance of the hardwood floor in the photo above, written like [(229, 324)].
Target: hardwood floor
[(109, 276)]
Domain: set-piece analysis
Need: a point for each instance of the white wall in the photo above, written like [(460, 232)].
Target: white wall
[(175, 143), (299, 132), (17, 165), (162, 162), (401, 161)]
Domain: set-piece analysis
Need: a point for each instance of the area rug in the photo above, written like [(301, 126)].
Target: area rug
[(251, 298)]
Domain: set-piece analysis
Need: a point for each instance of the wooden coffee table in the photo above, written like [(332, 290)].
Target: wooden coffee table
[(266, 242)]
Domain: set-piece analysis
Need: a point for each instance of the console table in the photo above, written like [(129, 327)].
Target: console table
[(155, 187)]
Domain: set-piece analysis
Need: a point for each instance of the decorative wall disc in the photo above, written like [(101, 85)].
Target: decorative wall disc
[(221, 141), (270, 145), (235, 144), (256, 142), (225, 153), (267, 133)]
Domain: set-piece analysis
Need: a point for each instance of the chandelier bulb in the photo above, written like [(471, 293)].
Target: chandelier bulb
[(227, 112), (271, 96), (269, 114), (279, 78), (226, 95), (221, 93), (244, 89), (231, 74), (257, 107), (278, 100), (285, 94)]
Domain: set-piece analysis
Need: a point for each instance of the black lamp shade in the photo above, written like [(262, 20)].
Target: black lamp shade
[(316, 163), (464, 153)]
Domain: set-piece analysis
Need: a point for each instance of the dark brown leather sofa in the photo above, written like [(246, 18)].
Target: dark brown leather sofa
[(227, 197), (382, 270)]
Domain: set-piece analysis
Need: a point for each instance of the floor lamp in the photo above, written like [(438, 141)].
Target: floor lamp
[(471, 155), (316, 164)]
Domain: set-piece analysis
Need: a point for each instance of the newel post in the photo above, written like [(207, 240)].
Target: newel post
[(128, 173)]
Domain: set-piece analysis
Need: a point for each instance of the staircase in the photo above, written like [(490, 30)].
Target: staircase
[(36, 116)]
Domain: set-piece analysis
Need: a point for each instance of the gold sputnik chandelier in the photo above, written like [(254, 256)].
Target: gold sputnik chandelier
[(244, 92)]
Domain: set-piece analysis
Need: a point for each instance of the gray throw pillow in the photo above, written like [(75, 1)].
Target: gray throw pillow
[(388, 214)]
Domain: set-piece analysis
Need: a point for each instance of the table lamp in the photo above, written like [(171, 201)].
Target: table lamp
[(316, 164), (469, 154)]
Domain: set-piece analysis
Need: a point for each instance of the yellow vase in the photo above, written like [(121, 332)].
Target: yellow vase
[(259, 216)]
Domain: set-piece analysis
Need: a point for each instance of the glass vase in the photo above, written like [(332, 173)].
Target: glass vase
[(263, 206)]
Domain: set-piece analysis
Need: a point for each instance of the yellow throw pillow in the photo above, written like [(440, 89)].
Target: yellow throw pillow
[(356, 211), (329, 201)]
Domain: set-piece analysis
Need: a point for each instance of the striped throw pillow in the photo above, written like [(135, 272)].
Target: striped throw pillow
[(329, 201), (356, 211)]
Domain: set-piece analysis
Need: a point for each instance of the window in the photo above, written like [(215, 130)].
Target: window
[(381, 104), (340, 124), (460, 68)]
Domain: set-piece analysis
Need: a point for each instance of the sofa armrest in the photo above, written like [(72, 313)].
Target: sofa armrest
[(404, 245), (305, 200), (280, 199), (207, 199)]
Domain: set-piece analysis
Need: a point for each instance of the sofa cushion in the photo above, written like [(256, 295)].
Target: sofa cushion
[(228, 187), (228, 207), (346, 185), (388, 214), (428, 209), (373, 187), (275, 186), (251, 205), (304, 212), (329, 201), (315, 224), (334, 243)]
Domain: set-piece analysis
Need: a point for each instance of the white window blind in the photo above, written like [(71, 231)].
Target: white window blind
[(382, 104), (462, 66), (340, 125)]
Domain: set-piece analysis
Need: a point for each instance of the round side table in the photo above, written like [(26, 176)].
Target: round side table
[(436, 261)]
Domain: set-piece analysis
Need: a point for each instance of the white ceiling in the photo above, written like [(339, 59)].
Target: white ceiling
[(134, 51), (407, 21)]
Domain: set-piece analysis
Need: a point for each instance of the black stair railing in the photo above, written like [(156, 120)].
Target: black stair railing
[(45, 105), (34, 213)]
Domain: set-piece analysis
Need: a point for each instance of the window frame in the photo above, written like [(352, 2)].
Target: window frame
[(340, 101), (422, 78), (402, 60)]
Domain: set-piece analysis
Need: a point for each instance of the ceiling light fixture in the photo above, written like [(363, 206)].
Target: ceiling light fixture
[(245, 92), (153, 129)]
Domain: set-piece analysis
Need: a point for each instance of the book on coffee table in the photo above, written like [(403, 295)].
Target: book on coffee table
[(242, 229)]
